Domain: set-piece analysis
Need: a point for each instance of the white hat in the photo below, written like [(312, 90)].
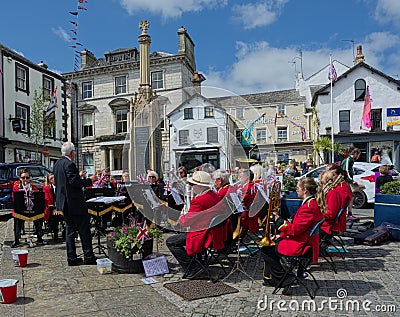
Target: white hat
[(200, 178)]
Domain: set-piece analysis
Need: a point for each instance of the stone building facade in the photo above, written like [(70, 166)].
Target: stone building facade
[(104, 89), (20, 80)]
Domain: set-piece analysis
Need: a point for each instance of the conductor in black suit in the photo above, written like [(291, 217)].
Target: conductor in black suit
[(71, 201)]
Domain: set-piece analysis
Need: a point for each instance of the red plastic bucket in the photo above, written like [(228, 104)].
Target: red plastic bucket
[(20, 257), (8, 291)]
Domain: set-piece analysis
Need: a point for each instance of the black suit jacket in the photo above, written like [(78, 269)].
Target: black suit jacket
[(69, 193)]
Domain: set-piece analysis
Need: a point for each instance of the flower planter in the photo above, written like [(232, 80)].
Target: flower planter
[(290, 202), (386, 208), (123, 265)]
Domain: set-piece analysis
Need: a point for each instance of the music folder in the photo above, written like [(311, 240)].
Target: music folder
[(97, 192), (20, 207)]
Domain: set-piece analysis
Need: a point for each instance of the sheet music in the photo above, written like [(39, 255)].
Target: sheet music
[(105, 200), (263, 193), (236, 201), (150, 197), (156, 266), (176, 196)]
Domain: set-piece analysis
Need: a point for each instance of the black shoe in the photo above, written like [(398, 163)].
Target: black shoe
[(194, 272), (75, 262), (15, 244), (91, 261), (269, 283)]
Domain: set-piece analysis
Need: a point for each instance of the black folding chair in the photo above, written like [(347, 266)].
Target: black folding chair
[(302, 263), (204, 258), (333, 239)]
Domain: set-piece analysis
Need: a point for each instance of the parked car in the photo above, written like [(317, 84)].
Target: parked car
[(9, 173), (365, 174)]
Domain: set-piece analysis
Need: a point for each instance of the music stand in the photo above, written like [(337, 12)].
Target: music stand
[(21, 212), (96, 209), (236, 209)]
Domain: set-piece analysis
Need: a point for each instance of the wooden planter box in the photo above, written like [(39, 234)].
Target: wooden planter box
[(123, 265), (289, 204), (386, 208)]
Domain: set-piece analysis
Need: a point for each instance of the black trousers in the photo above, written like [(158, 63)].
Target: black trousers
[(273, 270), (80, 223), (19, 225), (176, 244)]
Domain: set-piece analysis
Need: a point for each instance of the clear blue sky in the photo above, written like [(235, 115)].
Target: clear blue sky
[(242, 46)]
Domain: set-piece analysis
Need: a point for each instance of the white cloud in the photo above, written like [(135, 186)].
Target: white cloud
[(61, 33), (388, 11), (170, 8), (253, 15), (260, 67)]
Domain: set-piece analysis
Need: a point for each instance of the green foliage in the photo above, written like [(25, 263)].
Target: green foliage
[(37, 122), (391, 188), (289, 183), (125, 239)]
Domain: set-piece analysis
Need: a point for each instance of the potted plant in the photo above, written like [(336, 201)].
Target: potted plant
[(328, 130), (290, 201), (128, 245), (387, 204)]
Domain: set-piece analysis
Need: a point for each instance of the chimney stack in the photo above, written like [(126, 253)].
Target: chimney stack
[(197, 80), (360, 56), (87, 58)]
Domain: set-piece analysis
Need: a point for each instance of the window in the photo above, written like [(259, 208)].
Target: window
[(87, 125), (359, 89), (22, 78), (376, 118), (239, 113), (87, 90), (261, 135), (120, 85), (212, 135), (47, 86), (121, 119), (344, 121), (188, 113), (157, 81), (88, 163), (208, 112), (281, 110), (282, 134), (183, 137), (22, 112)]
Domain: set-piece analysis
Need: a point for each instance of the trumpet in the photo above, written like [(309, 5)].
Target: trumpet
[(273, 207)]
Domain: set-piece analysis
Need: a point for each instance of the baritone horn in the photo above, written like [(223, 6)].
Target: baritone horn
[(273, 207)]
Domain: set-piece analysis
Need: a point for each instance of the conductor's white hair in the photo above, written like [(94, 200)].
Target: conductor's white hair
[(67, 148)]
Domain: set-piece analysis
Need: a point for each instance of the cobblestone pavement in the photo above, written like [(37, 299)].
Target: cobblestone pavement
[(368, 276)]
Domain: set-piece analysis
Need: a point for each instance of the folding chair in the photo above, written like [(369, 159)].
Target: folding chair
[(203, 259), (301, 262), (332, 240)]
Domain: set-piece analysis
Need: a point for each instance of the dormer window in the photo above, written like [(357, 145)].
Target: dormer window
[(359, 89)]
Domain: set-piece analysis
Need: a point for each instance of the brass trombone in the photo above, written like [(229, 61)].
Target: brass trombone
[(273, 207)]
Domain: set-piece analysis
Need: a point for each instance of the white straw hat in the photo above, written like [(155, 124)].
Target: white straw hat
[(200, 178)]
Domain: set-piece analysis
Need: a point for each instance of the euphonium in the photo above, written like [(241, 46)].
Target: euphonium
[(273, 206)]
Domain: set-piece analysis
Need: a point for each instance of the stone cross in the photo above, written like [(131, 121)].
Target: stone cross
[(144, 25)]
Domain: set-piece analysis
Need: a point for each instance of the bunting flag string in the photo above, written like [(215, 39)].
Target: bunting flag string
[(74, 37), (302, 129)]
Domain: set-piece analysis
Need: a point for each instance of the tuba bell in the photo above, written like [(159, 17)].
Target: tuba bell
[(273, 206)]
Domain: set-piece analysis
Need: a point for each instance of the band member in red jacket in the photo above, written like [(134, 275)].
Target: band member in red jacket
[(194, 240), (332, 199), (24, 185), (247, 192), (51, 216), (221, 182), (293, 235), (346, 196)]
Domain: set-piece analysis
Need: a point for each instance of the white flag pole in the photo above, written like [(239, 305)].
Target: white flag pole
[(331, 93)]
